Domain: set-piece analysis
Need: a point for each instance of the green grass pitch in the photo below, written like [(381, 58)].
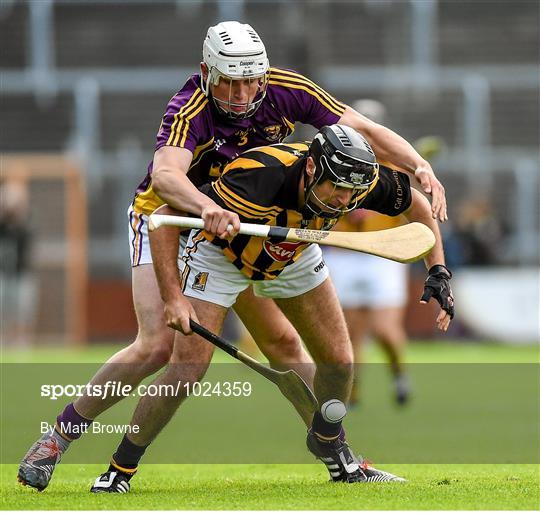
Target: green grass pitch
[(277, 487), (289, 486)]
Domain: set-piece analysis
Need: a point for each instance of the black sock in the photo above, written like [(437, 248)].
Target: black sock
[(127, 457), (324, 430)]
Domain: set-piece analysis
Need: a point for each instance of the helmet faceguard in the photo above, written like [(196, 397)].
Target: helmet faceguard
[(234, 51), (342, 156)]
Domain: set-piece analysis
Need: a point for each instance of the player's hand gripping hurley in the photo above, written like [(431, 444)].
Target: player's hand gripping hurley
[(292, 386), (403, 244)]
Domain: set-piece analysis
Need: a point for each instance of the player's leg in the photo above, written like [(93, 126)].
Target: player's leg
[(358, 322), (211, 298), (276, 338), (320, 322), (353, 282), (150, 351), (306, 295), (389, 331), (188, 364), (388, 319)]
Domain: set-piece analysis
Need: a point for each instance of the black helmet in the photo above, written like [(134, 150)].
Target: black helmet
[(344, 157)]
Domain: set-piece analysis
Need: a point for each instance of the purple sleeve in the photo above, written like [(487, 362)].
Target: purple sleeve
[(182, 124), (302, 100)]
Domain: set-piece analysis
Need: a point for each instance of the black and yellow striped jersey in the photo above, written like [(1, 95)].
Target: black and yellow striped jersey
[(263, 186)]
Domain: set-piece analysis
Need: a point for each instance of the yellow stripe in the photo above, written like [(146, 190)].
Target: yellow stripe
[(326, 437), (243, 163), (186, 111), (200, 151), (134, 227), (238, 207), (296, 86), (184, 118), (250, 254), (257, 209), (194, 101), (123, 469), (193, 248), (289, 78), (283, 156), (289, 75), (289, 124), (186, 126), (202, 235), (245, 203), (184, 277), (246, 271), (182, 110), (234, 206)]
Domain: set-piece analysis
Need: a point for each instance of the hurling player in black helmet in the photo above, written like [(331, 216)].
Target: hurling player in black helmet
[(345, 161)]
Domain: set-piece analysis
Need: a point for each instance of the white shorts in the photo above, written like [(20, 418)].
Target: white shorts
[(365, 280), (139, 242), (208, 275)]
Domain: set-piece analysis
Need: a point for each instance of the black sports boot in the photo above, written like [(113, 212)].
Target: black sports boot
[(111, 482), (343, 465)]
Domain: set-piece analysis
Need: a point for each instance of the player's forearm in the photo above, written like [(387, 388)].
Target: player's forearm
[(392, 148), (420, 211), (164, 244), (177, 190), (387, 145)]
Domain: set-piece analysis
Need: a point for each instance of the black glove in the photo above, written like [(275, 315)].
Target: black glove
[(437, 285)]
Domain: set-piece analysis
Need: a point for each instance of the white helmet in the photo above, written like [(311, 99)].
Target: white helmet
[(235, 51)]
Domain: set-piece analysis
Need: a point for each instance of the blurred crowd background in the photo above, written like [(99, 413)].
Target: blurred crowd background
[(84, 85)]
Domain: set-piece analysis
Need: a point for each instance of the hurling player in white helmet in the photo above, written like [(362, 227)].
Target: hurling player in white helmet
[(234, 68)]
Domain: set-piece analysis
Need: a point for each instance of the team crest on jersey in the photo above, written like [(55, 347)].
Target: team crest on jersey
[(272, 132), (282, 251), (199, 283)]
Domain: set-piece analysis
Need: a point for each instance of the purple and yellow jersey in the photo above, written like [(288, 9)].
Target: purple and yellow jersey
[(193, 122)]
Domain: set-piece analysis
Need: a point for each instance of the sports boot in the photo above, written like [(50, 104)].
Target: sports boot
[(111, 482), (38, 465), (342, 464)]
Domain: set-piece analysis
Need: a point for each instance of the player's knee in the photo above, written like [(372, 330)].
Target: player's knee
[(160, 354), (185, 373), (337, 372), (153, 351), (339, 365), (290, 345), (285, 347)]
